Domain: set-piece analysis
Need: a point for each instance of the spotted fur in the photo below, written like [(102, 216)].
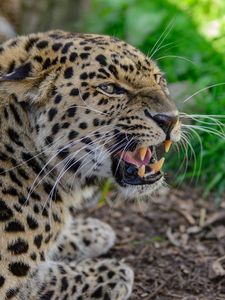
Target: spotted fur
[(68, 102)]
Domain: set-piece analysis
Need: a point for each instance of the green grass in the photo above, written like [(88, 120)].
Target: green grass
[(187, 53)]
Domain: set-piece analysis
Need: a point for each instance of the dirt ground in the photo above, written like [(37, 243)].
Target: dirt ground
[(175, 244)]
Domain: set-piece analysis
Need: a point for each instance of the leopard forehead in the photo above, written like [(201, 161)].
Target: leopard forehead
[(88, 54), (92, 50)]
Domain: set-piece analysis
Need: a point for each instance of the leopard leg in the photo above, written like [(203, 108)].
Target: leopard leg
[(104, 279), (85, 238)]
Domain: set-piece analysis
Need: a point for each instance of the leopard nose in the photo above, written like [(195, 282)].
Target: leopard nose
[(166, 122)]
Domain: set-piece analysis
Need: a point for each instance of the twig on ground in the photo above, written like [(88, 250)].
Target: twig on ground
[(187, 216), (160, 287)]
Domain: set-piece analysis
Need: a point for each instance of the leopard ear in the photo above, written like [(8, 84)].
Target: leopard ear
[(27, 84)]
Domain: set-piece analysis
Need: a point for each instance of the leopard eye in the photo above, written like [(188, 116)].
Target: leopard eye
[(161, 80), (158, 78), (111, 89), (107, 88)]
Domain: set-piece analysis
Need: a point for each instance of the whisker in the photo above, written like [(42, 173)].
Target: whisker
[(106, 155), (204, 89), (66, 168), (103, 157), (185, 160), (35, 156), (164, 46), (127, 145), (192, 154), (91, 108), (193, 131), (206, 129), (203, 119), (177, 56), (162, 37), (202, 115), (48, 162)]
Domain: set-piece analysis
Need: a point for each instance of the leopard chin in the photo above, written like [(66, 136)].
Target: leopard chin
[(141, 192)]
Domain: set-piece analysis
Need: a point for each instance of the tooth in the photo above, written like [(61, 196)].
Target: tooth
[(142, 152), (141, 171), (167, 145), (157, 166)]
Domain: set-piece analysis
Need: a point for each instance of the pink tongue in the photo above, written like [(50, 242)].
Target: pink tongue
[(134, 157)]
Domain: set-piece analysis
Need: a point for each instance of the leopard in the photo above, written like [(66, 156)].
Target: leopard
[(76, 109)]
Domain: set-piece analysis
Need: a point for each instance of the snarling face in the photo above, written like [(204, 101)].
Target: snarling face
[(101, 109)]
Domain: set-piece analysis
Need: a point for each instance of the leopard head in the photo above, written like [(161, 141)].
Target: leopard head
[(98, 108)]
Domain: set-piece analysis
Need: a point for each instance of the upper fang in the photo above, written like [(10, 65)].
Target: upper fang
[(142, 152), (167, 145)]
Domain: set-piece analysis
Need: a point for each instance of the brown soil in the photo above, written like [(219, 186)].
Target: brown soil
[(176, 245)]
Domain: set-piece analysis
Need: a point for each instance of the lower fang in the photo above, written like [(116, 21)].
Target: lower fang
[(141, 171), (157, 166)]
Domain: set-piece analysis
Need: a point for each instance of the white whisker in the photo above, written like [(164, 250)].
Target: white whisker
[(91, 108), (162, 37), (177, 56), (204, 89), (72, 143)]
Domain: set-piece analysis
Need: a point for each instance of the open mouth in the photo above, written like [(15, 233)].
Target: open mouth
[(141, 166)]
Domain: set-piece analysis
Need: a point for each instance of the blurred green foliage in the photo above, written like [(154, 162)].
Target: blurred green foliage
[(141, 23), (186, 38)]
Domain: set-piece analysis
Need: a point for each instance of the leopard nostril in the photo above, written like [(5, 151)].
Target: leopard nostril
[(166, 122)]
